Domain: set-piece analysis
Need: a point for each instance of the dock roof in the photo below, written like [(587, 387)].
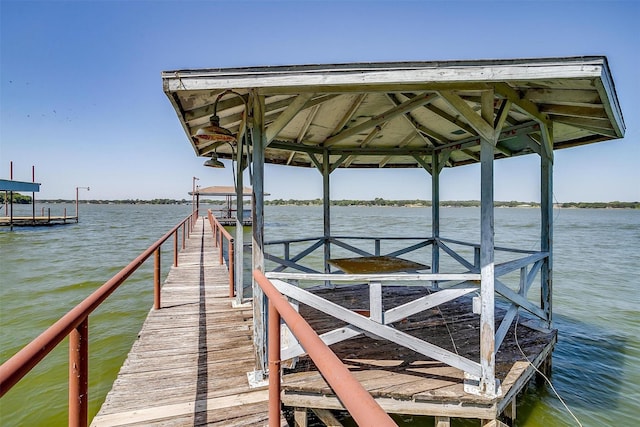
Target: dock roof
[(11, 185), (401, 114)]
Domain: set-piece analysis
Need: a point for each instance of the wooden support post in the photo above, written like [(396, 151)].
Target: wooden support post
[(326, 203), (300, 417), (442, 422), (510, 411), (239, 238), (327, 418), (487, 384), (376, 308), (257, 242), (546, 234), (79, 375), (435, 214)]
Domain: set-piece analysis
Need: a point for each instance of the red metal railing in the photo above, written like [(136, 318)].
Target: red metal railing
[(219, 234), (355, 398), (75, 324)]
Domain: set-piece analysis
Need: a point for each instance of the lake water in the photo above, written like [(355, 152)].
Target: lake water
[(596, 363)]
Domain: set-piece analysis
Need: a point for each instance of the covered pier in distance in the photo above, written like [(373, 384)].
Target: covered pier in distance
[(428, 115), (228, 214)]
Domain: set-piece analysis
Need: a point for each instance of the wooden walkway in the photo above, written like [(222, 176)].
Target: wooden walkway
[(189, 365)]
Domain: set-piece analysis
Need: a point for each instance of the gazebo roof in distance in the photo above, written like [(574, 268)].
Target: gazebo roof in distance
[(221, 190), (403, 114)]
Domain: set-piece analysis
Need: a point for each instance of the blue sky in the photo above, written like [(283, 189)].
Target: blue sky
[(81, 94)]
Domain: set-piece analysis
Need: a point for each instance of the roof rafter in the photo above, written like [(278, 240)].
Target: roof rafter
[(405, 141), (479, 124), (409, 105), (287, 115), (422, 131)]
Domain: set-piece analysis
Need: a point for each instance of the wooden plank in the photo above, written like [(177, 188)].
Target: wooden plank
[(327, 417), (157, 412), (297, 105), (189, 364)]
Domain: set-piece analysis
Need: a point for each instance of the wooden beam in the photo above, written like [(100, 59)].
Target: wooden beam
[(409, 105), (420, 128), (524, 105), (405, 141), (327, 418), (383, 331), (451, 119), (487, 385), (592, 112), (350, 112), (480, 125), (257, 242), (307, 123), (286, 116), (501, 117), (367, 141), (564, 96), (423, 162)]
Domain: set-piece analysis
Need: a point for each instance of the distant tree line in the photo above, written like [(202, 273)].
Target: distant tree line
[(17, 198), (394, 203), (601, 205), (378, 201), (450, 203)]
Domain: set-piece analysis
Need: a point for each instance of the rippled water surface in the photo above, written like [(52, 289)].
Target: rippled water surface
[(596, 363)]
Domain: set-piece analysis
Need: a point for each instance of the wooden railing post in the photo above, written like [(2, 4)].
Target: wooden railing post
[(79, 374), (184, 235), (156, 279), (274, 366)]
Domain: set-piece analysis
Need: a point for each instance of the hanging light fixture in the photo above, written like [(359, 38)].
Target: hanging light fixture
[(214, 132), (213, 162)]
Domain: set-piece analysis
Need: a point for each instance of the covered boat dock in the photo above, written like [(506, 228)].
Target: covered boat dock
[(428, 115)]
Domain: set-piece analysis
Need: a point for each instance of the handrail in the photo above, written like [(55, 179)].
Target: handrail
[(75, 325), (219, 232), (355, 398)]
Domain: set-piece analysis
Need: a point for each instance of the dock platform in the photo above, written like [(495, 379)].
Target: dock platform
[(37, 221), (405, 382), (189, 364)]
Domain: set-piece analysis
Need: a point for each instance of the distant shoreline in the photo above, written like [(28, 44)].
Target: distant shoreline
[(378, 202)]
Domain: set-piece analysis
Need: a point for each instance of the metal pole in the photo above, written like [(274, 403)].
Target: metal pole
[(79, 374), (175, 249), (274, 366), (33, 195), (231, 270), (156, 280)]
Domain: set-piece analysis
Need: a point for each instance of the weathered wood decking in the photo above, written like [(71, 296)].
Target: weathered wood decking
[(189, 364), (405, 382)]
